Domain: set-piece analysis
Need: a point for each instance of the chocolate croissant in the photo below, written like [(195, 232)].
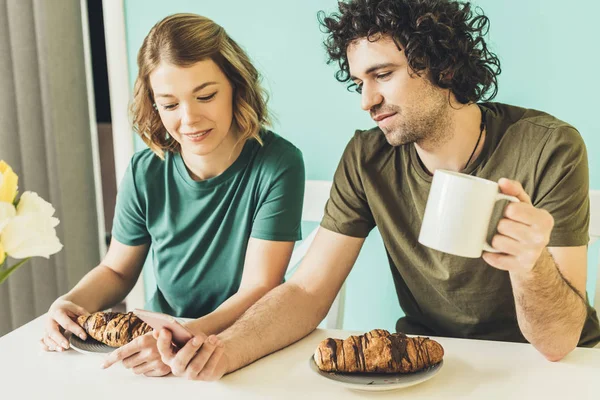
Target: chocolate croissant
[(112, 328), (378, 351)]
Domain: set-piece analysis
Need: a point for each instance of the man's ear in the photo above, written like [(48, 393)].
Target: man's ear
[(446, 76)]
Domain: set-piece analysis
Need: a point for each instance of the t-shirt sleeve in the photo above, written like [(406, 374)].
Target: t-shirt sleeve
[(129, 223), (279, 213), (347, 210), (563, 188)]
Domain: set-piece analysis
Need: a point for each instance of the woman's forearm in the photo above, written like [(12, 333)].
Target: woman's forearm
[(100, 289), (228, 312)]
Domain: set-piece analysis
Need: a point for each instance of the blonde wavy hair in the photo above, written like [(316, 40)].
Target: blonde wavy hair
[(183, 40)]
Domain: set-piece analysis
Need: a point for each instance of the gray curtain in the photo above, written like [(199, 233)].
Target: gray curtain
[(45, 136)]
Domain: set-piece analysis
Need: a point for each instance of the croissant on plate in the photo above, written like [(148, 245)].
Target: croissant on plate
[(378, 351), (113, 328)]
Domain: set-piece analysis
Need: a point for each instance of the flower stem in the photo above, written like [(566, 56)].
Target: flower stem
[(4, 273)]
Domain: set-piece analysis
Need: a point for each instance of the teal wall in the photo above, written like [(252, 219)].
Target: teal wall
[(546, 64)]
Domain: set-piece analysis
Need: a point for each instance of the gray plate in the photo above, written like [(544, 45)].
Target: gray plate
[(89, 346), (377, 382)]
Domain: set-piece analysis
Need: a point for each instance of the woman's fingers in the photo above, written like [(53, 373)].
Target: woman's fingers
[(53, 332), (68, 324), (163, 344), (160, 370), (50, 344)]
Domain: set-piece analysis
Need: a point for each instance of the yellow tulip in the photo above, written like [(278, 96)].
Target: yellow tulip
[(2, 254), (8, 183)]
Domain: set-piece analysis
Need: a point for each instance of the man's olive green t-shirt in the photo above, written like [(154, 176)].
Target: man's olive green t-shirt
[(199, 230), (377, 184)]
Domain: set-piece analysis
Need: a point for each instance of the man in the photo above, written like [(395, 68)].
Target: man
[(421, 68)]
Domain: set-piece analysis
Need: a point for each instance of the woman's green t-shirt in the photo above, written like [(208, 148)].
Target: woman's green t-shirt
[(199, 230)]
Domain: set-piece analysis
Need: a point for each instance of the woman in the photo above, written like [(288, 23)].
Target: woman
[(216, 197)]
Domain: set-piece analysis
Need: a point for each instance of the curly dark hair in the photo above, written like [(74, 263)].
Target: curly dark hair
[(441, 38)]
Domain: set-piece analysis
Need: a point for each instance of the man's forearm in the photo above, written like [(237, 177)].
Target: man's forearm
[(99, 289), (283, 316), (550, 312)]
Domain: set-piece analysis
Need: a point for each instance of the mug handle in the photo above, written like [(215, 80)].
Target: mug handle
[(499, 196)]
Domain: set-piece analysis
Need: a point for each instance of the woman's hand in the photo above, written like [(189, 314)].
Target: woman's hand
[(61, 317), (202, 358), (141, 356)]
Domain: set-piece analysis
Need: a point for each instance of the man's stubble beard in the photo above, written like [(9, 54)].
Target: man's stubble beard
[(428, 130)]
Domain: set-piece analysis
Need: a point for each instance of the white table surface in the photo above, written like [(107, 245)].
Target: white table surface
[(472, 370)]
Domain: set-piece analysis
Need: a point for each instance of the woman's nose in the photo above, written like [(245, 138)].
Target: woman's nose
[(189, 114)]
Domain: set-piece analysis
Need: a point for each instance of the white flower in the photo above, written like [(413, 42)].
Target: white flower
[(7, 211), (31, 203), (31, 232)]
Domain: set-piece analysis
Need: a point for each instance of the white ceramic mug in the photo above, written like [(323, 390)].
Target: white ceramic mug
[(458, 213)]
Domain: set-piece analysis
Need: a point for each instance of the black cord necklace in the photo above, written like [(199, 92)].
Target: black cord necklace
[(481, 128)]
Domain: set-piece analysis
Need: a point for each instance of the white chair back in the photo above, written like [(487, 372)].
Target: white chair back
[(316, 194), (594, 236)]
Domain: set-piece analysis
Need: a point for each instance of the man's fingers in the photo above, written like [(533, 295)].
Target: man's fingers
[(506, 245), (197, 365), (121, 353), (208, 372), (500, 261), (515, 230), (185, 355), (191, 348), (520, 212), (514, 188)]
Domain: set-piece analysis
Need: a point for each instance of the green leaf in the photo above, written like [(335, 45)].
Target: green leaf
[(5, 273)]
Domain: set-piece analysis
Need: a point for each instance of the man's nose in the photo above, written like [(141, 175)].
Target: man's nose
[(369, 98)]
